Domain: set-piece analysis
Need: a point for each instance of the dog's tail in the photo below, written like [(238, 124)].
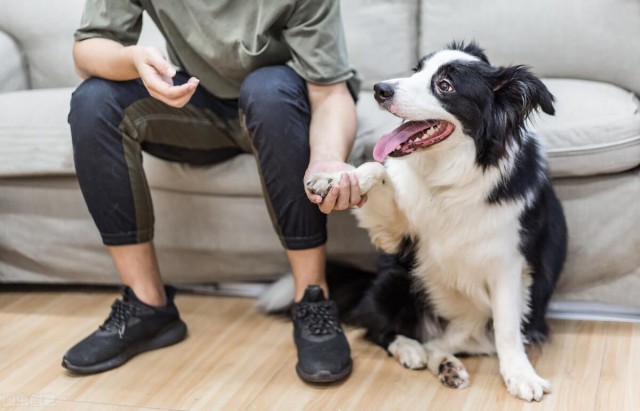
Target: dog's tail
[(278, 296), (347, 285)]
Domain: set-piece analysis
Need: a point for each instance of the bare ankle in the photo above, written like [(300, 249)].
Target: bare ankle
[(154, 296), (300, 289)]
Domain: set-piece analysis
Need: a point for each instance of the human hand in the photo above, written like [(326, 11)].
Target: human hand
[(156, 74), (344, 193)]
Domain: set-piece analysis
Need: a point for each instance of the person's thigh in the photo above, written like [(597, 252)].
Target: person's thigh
[(112, 122), (275, 110)]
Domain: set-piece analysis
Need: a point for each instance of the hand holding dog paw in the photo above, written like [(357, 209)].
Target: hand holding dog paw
[(332, 185)]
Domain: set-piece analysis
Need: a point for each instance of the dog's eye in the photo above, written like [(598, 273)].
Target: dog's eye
[(445, 86)]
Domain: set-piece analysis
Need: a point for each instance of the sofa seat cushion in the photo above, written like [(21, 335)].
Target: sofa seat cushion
[(34, 134), (596, 129)]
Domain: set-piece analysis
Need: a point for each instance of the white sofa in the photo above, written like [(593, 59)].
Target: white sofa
[(212, 224)]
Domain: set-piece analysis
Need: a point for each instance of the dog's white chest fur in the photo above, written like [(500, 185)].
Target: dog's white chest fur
[(463, 241)]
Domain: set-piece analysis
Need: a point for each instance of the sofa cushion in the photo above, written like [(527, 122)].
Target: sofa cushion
[(584, 39), (12, 71), (44, 31), (596, 129), (377, 49), (34, 134)]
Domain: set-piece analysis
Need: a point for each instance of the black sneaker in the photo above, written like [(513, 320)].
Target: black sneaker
[(132, 328), (323, 349)]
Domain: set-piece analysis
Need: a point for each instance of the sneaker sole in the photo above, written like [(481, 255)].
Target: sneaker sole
[(169, 335), (323, 376)]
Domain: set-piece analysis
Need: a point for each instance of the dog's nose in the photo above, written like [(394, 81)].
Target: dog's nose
[(383, 91)]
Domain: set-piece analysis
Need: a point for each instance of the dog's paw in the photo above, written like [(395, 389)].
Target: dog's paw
[(320, 183), (408, 352), (453, 374), (527, 386)]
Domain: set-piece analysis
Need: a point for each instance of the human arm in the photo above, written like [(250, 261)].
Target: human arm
[(108, 59), (331, 136)]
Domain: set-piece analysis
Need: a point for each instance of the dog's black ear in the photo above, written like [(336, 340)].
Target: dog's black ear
[(517, 93), (517, 86)]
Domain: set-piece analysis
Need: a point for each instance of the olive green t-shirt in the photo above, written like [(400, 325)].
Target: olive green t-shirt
[(222, 41)]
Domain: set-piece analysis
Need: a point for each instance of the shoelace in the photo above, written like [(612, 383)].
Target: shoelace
[(119, 316), (318, 318)]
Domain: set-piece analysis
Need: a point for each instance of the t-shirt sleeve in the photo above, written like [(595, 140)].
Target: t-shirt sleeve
[(315, 37), (117, 20)]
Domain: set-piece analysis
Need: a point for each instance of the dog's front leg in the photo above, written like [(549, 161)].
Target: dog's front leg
[(380, 215), (517, 372)]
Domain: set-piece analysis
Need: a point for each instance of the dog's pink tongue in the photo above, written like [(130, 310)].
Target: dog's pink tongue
[(388, 142)]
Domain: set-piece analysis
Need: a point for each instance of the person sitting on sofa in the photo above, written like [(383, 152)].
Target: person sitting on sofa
[(271, 79)]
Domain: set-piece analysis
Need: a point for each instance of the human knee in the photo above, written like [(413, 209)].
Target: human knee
[(268, 88), (92, 95), (93, 105), (276, 112)]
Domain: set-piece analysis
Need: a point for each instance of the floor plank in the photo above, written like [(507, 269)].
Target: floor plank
[(618, 388), (237, 359)]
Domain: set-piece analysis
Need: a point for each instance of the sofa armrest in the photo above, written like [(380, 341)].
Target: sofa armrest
[(12, 70)]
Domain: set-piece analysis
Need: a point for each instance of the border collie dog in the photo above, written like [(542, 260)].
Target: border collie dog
[(464, 200)]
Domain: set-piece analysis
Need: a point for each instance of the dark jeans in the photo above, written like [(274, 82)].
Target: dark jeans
[(113, 122)]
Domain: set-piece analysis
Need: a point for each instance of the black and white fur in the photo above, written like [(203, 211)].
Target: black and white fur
[(479, 230)]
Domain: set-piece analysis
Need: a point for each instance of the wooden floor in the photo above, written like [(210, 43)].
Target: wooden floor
[(238, 359)]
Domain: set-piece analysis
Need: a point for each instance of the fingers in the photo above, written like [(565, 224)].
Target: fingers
[(157, 60), (354, 193), (329, 202), (157, 73), (342, 202), (314, 198), (343, 195), (176, 96), (171, 92)]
